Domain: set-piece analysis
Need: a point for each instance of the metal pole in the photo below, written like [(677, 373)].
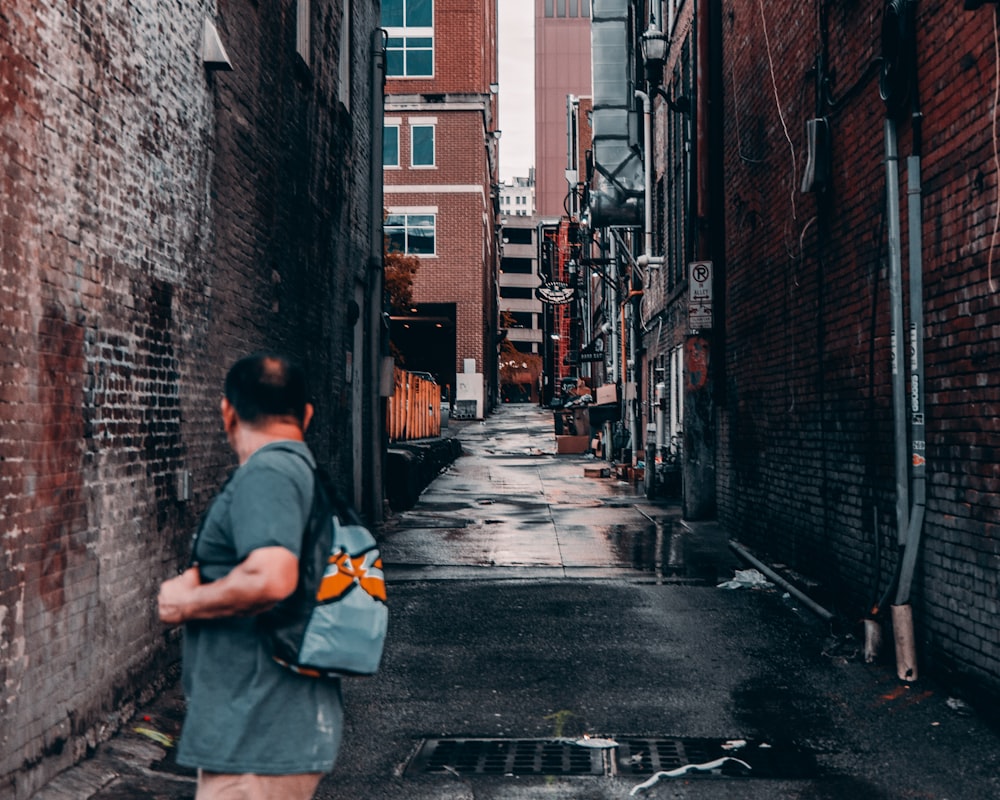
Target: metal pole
[(917, 418), (896, 308)]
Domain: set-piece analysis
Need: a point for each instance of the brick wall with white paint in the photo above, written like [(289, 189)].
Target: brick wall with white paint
[(156, 222)]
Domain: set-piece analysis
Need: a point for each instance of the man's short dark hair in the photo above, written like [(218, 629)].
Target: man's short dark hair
[(266, 384)]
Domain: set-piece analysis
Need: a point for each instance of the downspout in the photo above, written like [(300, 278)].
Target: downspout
[(902, 614), (917, 413), (647, 149), (898, 89), (647, 259), (896, 317), (378, 340)]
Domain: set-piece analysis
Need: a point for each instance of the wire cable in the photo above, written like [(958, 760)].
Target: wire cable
[(777, 102)]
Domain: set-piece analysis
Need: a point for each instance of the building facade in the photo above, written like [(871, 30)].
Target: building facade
[(441, 188), (825, 308), (562, 69), (517, 196), (176, 191)]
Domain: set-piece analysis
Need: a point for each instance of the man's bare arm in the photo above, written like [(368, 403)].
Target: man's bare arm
[(266, 576)]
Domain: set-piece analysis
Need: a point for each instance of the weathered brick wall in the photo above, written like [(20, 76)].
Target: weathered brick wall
[(806, 470), (155, 222)]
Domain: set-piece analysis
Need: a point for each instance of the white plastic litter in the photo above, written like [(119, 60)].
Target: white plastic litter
[(596, 743), (708, 766), (746, 579)]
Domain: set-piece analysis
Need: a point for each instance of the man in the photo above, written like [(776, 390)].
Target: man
[(254, 730)]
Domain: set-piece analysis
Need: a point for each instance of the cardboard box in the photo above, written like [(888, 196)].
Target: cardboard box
[(567, 445), (607, 393)]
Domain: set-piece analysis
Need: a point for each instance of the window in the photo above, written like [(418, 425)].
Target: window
[(550, 8), (410, 46), (390, 146), (519, 236), (412, 234), (422, 145), (560, 8), (516, 293), (517, 266)]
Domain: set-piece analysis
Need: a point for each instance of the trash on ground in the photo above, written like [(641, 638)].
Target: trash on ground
[(708, 766), (596, 743), (160, 738), (959, 706), (746, 579)]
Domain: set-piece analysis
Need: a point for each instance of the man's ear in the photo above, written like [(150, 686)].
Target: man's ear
[(228, 415), (307, 417)]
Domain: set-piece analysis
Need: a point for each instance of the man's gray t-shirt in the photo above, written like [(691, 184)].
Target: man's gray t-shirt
[(245, 712)]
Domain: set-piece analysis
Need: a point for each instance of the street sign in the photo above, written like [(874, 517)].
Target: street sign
[(700, 295)]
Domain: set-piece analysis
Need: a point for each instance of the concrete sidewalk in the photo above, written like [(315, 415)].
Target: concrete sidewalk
[(532, 607)]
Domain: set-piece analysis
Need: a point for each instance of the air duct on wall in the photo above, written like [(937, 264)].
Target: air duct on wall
[(617, 195)]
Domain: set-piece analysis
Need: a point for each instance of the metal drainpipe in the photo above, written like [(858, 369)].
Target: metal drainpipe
[(902, 612), (896, 313), (647, 134), (378, 344)]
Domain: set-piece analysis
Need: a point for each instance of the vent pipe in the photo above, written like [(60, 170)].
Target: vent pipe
[(617, 194)]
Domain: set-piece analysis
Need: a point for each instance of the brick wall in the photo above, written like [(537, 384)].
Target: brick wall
[(806, 469), (463, 269), (156, 221)]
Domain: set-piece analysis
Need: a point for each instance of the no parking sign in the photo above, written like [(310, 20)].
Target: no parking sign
[(700, 295)]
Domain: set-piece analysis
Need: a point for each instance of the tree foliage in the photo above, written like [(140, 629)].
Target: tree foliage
[(515, 365), (400, 270)]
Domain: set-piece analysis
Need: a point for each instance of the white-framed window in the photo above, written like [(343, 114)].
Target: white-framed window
[(409, 25), (422, 152), (411, 232), (390, 144)]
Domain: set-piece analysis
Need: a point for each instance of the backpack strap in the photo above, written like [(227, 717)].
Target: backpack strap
[(338, 503)]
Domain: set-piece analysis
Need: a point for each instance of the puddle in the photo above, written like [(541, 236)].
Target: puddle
[(668, 550)]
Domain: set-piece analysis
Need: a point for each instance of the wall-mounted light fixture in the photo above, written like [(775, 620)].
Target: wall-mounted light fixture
[(654, 52), (654, 44), (494, 88), (494, 134)]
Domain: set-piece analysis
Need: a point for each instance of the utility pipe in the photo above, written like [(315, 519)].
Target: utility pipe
[(896, 314), (647, 168), (918, 457), (377, 344), (647, 259), (615, 329), (811, 604)]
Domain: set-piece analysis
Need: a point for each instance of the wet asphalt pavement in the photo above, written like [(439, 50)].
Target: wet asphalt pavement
[(532, 607)]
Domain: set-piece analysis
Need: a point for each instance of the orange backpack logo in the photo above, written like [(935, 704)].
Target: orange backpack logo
[(345, 571)]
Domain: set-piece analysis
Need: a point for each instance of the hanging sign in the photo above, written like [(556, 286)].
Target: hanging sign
[(555, 293), (700, 295)]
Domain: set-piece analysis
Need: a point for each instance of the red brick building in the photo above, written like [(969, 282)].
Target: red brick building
[(160, 217), (789, 394), (562, 68), (441, 186)]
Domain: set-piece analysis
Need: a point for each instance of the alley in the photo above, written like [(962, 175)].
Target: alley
[(530, 602), (532, 607)]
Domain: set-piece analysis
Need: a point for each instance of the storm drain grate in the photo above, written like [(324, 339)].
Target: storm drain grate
[(621, 755), (506, 757)]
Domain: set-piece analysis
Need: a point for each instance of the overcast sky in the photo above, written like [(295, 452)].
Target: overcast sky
[(516, 99)]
